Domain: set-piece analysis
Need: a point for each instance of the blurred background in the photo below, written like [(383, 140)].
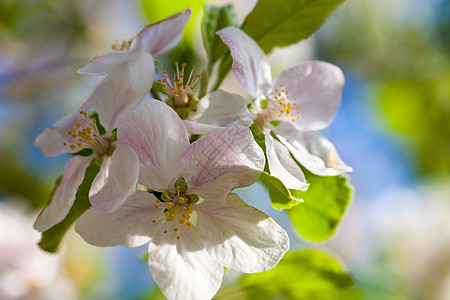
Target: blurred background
[(393, 128)]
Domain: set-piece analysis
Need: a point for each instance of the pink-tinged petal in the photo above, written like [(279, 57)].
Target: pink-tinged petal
[(103, 64), (312, 150), (282, 166), (123, 89), (200, 128), (51, 139), (316, 88), (183, 269), (164, 35), (51, 142), (224, 160), (116, 179), (64, 195), (159, 138), (222, 109), (239, 236), (250, 65), (130, 225)]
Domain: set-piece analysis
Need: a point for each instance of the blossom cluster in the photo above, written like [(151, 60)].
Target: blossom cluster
[(158, 183)]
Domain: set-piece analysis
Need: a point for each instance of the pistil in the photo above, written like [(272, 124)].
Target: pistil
[(278, 106), (177, 211), (85, 135), (177, 87)]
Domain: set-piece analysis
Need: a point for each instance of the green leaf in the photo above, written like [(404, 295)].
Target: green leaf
[(214, 19), (51, 238), (280, 195), (324, 205), (284, 22), (306, 274)]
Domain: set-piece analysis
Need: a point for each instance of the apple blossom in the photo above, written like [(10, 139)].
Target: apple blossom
[(131, 73), (312, 89), (195, 226)]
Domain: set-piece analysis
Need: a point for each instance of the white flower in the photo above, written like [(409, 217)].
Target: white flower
[(194, 224), (312, 89), (131, 74)]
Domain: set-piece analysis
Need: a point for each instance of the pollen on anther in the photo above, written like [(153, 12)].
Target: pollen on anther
[(156, 206), (165, 231), (175, 229), (188, 224), (154, 221), (178, 237)]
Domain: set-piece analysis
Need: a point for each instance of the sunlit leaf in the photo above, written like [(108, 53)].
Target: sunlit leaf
[(52, 237), (158, 10), (324, 205), (306, 274), (280, 195), (284, 22)]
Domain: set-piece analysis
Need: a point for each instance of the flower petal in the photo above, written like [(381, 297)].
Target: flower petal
[(282, 166), (123, 89), (316, 88), (51, 139), (222, 161), (162, 36), (116, 179), (130, 225), (200, 128), (312, 150), (250, 65), (239, 236), (103, 64), (222, 109), (64, 196), (183, 269), (159, 138)]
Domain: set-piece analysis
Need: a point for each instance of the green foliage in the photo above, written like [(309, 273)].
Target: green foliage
[(155, 11), (280, 195), (17, 179), (324, 205), (306, 274), (420, 110), (284, 22), (214, 19), (52, 237)]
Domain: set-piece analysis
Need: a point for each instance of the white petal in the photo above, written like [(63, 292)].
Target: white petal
[(250, 65), (316, 88), (103, 64), (123, 89), (282, 166), (222, 161), (162, 36), (64, 195), (159, 138), (116, 179), (130, 225), (200, 128), (312, 150), (222, 109), (239, 236), (183, 269)]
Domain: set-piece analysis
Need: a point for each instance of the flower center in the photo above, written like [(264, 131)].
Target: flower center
[(177, 88), (278, 105), (125, 44), (85, 135), (177, 210)]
